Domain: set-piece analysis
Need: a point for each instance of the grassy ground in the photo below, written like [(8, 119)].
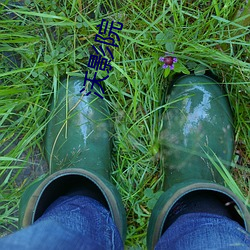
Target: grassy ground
[(48, 40)]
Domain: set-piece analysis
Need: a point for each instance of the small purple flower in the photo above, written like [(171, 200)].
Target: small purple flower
[(168, 61)]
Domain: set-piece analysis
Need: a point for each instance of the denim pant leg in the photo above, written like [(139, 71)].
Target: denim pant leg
[(76, 222), (204, 231)]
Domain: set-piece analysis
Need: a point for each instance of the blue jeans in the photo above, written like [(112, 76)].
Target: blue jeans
[(80, 222), (70, 223), (204, 231)]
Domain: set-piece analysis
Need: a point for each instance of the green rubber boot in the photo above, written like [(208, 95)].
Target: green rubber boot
[(197, 123), (78, 149)]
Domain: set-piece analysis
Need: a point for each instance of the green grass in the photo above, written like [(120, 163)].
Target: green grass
[(51, 40)]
